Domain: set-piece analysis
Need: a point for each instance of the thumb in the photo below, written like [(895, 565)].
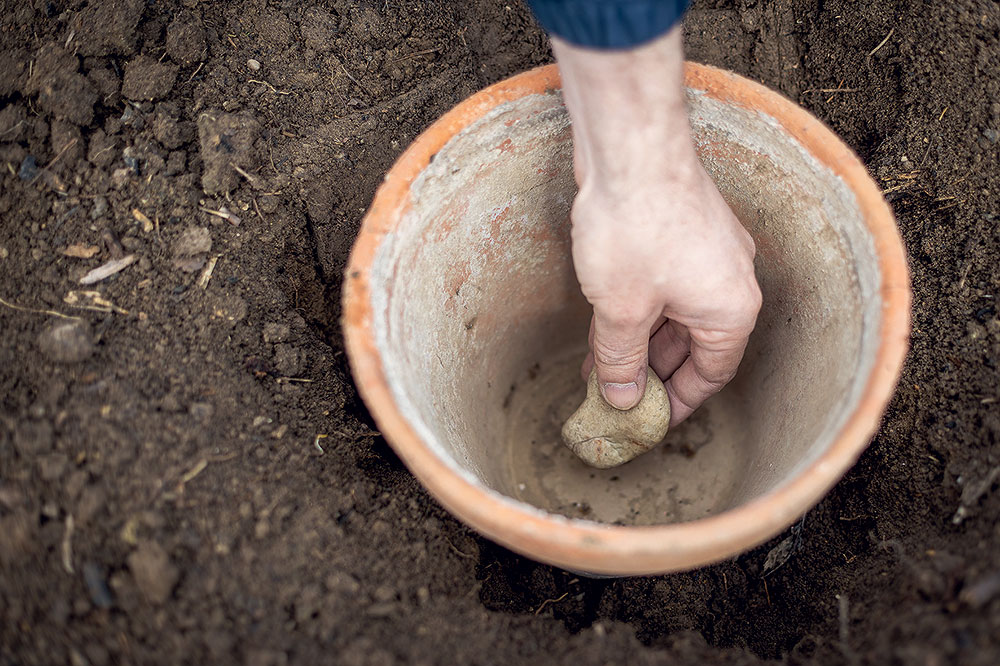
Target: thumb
[(621, 351)]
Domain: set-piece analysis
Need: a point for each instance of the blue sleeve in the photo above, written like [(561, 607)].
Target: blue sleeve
[(608, 24)]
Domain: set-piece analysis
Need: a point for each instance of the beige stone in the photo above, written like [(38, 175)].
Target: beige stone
[(603, 436)]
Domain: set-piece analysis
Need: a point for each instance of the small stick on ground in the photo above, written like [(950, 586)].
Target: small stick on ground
[(550, 601), (882, 43), (408, 56), (356, 82), (252, 179), (67, 546), (827, 90), (198, 468), (91, 300), (223, 213), (273, 89), (206, 273), (12, 128), (21, 308), (107, 270), (191, 78), (54, 160)]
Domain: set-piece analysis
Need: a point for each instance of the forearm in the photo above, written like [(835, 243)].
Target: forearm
[(628, 111)]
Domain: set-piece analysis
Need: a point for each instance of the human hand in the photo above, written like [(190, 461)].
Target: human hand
[(658, 253)]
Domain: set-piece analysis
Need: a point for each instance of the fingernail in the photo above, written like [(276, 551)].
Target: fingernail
[(621, 396)]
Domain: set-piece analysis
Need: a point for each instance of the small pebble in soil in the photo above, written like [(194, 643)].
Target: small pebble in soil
[(201, 411), (253, 65), (66, 341), (97, 585), (29, 168), (604, 437), (153, 572), (193, 240), (100, 207)]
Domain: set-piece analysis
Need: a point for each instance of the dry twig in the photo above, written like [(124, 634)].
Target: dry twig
[(21, 308), (550, 601), (882, 43)]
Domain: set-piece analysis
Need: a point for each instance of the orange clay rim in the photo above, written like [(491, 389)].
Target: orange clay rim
[(609, 549)]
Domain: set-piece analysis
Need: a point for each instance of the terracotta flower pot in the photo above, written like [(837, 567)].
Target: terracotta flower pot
[(465, 328)]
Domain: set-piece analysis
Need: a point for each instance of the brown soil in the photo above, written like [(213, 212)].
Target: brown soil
[(163, 493)]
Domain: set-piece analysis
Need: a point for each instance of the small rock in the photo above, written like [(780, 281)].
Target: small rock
[(189, 264), (147, 79), (275, 332), (384, 593), (67, 341), (119, 177), (342, 583), (100, 207), (186, 39), (28, 169), (253, 65), (604, 437), (201, 411), (991, 134), (153, 572), (131, 159), (97, 585), (192, 241)]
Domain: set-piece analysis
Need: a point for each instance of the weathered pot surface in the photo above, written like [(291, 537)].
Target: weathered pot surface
[(465, 328)]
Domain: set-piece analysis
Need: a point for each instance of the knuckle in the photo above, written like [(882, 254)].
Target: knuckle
[(609, 356), (717, 339)]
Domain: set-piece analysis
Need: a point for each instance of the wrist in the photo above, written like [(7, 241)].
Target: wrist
[(629, 114)]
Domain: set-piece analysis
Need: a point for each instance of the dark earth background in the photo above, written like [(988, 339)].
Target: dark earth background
[(161, 496)]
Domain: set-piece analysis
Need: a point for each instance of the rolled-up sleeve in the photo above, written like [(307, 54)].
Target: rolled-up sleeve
[(608, 24)]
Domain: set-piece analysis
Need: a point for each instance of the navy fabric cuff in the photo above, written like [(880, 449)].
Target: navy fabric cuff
[(608, 24)]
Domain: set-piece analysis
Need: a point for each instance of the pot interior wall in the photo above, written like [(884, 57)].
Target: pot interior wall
[(481, 325)]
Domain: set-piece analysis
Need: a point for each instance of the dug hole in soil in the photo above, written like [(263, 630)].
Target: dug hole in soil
[(186, 471)]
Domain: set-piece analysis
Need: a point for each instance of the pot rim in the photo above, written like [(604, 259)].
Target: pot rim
[(611, 549)]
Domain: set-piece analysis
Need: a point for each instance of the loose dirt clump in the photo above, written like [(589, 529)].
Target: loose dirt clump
[(201, 483)]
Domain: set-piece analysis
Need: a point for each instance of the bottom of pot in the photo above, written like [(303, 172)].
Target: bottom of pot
[(690, 475)]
